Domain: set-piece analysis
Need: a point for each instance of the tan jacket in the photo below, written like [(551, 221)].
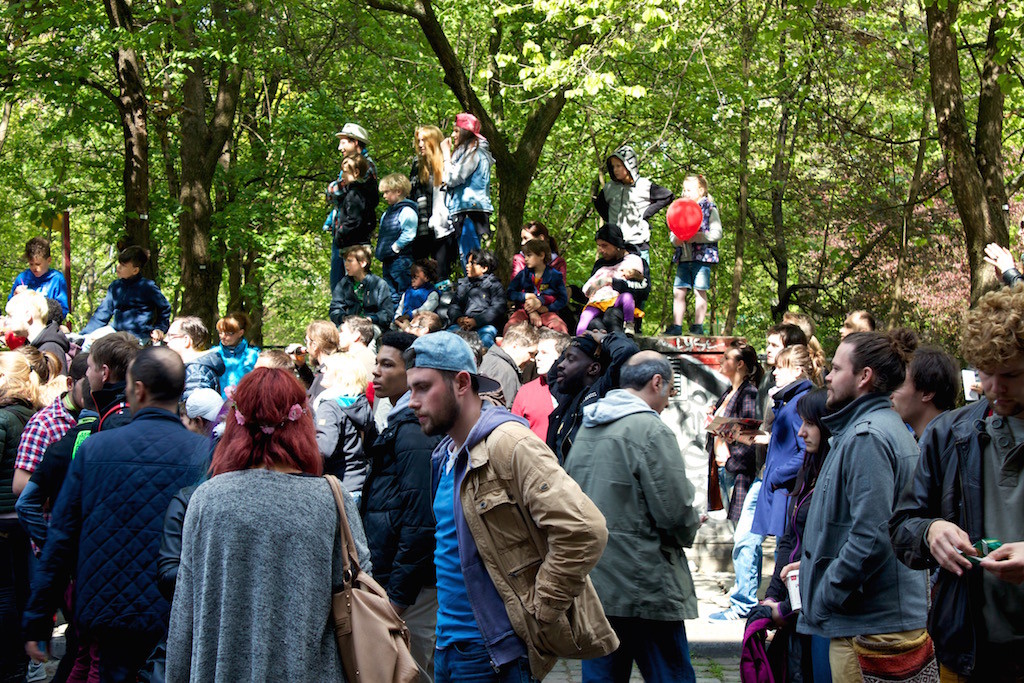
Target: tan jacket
[(539, 536)]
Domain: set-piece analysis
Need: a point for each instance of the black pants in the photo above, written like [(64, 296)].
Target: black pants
[(446, 253), (123, 653), (14, 590)]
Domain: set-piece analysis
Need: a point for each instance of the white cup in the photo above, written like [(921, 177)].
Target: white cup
[(793, 584)]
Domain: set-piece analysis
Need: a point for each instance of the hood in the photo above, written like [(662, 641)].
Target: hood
[(627, 156), (356, 409), (786, 393), (235, 351), (212, 360), (490, 417), (402, 404), (105, 397), (616, 404), (52, 334), (497, 352)]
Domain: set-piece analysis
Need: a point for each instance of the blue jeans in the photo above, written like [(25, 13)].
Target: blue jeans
[(487, 334), (746, 556), (467, 230), (470, 663), (396, 274), (337, 267), (659, 648)]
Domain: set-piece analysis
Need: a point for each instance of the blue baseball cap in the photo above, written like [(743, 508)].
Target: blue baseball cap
[(447, 351)]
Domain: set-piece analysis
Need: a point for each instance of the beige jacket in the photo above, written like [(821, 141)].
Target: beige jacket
[(539, 536)]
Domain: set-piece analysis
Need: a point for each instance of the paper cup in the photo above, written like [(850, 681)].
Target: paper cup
[(793, 584)]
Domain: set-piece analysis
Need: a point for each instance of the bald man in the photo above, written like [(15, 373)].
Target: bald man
[(628, 462), (109, 516)]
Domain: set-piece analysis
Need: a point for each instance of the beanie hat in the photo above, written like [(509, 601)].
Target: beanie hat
[(611, 234), (469, 122)]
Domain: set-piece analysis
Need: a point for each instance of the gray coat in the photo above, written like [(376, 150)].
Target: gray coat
[(628, 462), (850, 580), (260, 554)]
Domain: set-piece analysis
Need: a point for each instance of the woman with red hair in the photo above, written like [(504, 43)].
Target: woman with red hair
[(261, 553)]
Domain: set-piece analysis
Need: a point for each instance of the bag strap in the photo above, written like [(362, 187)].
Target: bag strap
[(350, 558)]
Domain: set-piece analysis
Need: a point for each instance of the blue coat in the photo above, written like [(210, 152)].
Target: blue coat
[(785, 455), (551, 282), (51, 284), (238, 360), (108, 522), (133, 305), (468, 179)]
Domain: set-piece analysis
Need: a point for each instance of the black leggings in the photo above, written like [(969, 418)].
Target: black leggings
[(446, 252)]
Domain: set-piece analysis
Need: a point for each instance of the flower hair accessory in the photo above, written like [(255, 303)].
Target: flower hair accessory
[(294, 413)]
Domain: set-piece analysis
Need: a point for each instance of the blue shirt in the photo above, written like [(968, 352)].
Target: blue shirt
[(50, 284), (455, 619)]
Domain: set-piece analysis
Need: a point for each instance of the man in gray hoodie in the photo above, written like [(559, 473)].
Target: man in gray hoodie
[(628, 462)]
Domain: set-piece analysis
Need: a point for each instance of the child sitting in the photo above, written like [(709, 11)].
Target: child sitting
[(39, 276), (362, 293), (535, 230), (238, 355), (397, 232), (617, 272), (478, 302), (538, 290), (422, 296), (133, 303)]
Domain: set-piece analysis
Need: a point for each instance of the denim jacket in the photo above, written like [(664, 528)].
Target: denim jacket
[(468, 178)]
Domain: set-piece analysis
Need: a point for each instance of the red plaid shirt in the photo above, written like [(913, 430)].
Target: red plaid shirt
[(45, 427)]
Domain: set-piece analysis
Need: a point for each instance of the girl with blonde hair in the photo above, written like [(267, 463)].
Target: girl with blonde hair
[(344, 421)]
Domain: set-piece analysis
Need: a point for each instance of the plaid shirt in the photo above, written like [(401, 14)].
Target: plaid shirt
[(44, 428)]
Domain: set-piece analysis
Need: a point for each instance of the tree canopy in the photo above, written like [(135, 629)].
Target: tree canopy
[(861, 153)]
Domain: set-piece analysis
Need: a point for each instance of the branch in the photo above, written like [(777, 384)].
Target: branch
[(103, 90), (414, 12)]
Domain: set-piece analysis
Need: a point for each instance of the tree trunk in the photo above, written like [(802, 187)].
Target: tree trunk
[(132, 108), (5, 120), (975, 171)]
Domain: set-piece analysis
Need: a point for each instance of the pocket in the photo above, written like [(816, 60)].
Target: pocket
[(557, 638), (504, 521)]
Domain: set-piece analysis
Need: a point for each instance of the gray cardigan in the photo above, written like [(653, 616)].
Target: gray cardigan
[(259, 559), (850, 580)]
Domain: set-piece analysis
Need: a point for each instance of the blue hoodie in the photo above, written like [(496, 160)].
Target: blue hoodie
[(492, 620)]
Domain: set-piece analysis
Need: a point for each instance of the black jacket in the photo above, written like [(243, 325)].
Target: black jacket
[(354, 216), (947, 486), (396, 508), (203, 373), (567, 417), (376, 303), (480, 298), (51, 339), (170, 543)]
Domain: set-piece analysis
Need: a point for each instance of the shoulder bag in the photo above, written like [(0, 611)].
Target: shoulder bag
[(372, 639)]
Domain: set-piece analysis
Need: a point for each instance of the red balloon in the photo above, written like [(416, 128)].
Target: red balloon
[(684, 218)]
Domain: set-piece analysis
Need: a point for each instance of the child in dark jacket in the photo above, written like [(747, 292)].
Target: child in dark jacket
[(538, 290), (479, 299), (361, 292), (352, 220), (133, 303), (422, 295), (397, 232)]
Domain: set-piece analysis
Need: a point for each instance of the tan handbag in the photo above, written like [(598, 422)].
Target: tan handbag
[(372, 639)]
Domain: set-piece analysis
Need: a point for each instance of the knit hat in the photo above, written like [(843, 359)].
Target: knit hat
[(354, 131), (611, 234), (204, 403), (469, 122)]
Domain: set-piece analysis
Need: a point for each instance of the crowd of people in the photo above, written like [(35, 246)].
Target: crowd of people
[(512, 488)]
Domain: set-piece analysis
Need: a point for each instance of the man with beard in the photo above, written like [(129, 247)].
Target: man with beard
[(850, 581), (587, 371), (968, 492), (515, 537)]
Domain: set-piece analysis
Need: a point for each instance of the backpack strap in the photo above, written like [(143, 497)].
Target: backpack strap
[(116, 409)]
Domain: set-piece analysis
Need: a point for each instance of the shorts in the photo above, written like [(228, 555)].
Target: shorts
[(693, 275)]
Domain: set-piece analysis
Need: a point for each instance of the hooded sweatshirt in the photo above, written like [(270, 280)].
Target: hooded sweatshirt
[(630, 206), (344, 424), (51, 339), (628, 462), (466, 580)]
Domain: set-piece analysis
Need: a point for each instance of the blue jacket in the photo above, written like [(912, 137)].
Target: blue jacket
[(785, 456), (551, 282), (468, 179), (203, 373), (52, 285), (850, 580), (502, 643), (238, 360), (108, 522), (397, 227), (133, 305)]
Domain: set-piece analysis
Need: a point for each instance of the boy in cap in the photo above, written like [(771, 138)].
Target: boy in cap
[(515, 536), (352, 143)]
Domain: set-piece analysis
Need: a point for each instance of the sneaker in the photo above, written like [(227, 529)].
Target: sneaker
[(726, 615), (673, 331), (36, 672)]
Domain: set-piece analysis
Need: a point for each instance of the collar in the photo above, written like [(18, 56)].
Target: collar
[(852, 413)]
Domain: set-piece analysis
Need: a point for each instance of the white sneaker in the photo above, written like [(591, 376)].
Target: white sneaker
[(36, 672)]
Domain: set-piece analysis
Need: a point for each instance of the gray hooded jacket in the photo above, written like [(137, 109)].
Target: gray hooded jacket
[(630, 206)]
